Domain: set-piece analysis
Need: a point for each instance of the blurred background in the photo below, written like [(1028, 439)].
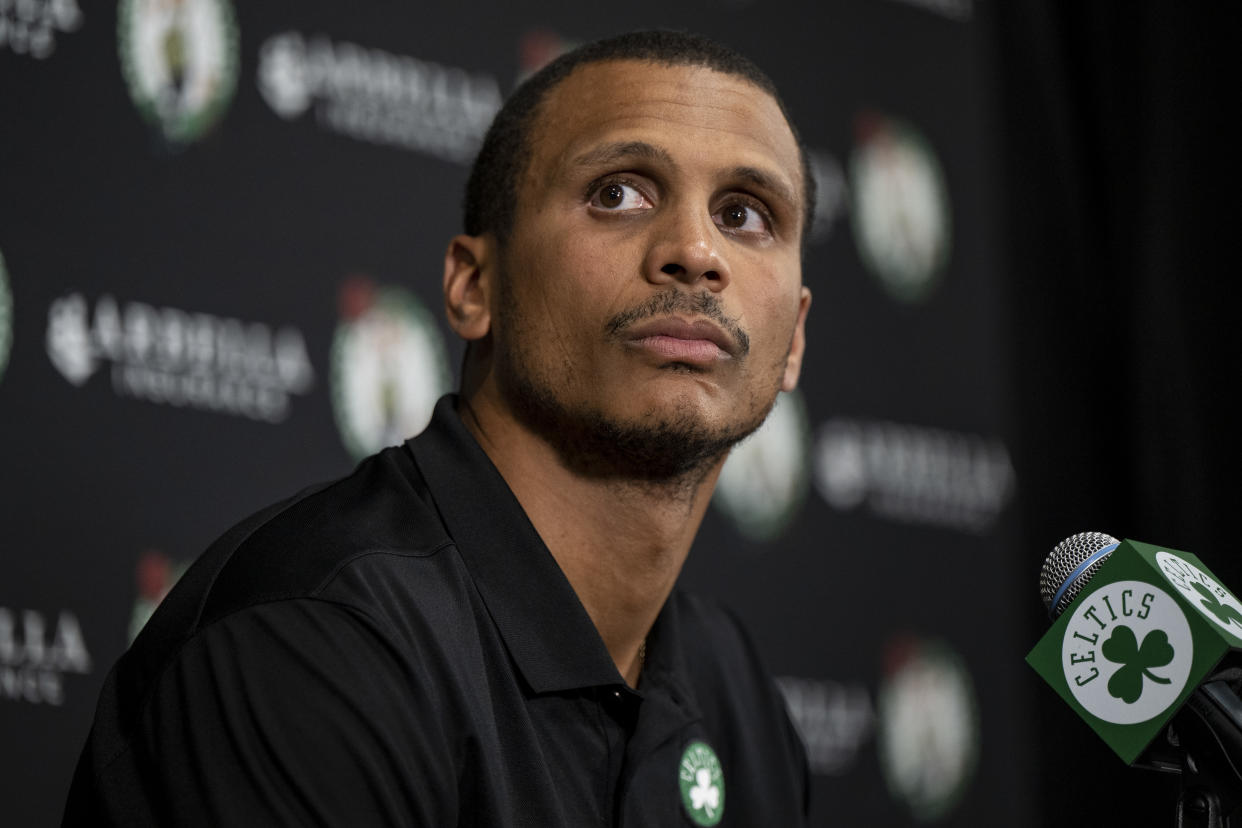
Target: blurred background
[(221, 232)]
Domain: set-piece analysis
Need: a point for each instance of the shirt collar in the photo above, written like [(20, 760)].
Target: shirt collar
[(665, 666), (543, 624)]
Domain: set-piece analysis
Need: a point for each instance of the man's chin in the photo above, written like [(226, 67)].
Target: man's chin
[(658, 447), (653, 434), (647, 455)]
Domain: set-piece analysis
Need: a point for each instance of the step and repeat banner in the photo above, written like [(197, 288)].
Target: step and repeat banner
[(221, 234)]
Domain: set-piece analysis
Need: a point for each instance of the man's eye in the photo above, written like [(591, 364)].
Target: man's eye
[(618, 196), (742, 218)]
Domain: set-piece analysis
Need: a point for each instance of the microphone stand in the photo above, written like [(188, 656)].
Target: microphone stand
[(1209, 730), (1204, 745)]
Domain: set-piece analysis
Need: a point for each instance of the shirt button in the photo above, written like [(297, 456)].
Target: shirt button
[(616, 694)]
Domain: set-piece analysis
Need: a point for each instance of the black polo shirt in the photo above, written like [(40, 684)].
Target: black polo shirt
[(399, 648)]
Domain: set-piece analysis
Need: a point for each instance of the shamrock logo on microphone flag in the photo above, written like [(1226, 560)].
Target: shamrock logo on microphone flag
[(1210, 603), (1122, 648)]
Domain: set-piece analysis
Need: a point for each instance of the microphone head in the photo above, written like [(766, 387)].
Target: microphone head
[(1069, 566)]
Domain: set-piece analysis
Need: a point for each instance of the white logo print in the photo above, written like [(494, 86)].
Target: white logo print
[(833, 718), (1217, 604), (176, 357), (29, 27), (35, 656), (179, 58), (1127, 652), (928, 726), (765, 479), (913, 474), (373, 95), (702, 784), (388, 366), (704, 796), (901, 214)]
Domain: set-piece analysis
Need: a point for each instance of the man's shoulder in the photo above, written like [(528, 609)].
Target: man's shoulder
[(296, 548), (375, 519)]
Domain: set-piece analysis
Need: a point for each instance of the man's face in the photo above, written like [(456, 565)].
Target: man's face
[(651, 286)]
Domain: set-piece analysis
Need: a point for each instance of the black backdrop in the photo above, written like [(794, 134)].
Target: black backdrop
[(218, 282), (1120, 195)]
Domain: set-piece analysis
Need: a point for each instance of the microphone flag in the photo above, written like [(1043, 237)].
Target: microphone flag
[(1145, 631)]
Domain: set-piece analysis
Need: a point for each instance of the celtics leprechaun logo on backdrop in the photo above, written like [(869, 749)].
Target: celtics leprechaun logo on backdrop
[(180, 60)]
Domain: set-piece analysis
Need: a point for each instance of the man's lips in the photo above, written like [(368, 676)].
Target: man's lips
[(699, 341)]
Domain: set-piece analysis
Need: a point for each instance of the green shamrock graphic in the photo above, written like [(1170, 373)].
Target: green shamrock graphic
[(1122, 648), (1210, 604)]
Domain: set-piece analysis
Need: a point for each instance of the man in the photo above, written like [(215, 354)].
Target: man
[(480, 627)]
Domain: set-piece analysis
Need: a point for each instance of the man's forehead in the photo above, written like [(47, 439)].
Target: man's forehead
[(592, 111)]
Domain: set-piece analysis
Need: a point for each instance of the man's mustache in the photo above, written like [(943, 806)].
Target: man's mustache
[(704, 303)]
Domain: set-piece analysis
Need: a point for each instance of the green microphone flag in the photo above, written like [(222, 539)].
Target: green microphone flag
[(1145, 631)]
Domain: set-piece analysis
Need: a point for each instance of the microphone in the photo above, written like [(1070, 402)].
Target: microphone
[(1140, 647), (1069, 566)]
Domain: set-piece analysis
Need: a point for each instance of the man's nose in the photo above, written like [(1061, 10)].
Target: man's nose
[(686, 247)]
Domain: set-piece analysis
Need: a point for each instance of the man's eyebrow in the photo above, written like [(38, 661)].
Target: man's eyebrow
[(767, 181), (620, 150)]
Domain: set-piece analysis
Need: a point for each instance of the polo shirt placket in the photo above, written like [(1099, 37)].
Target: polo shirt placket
[(546, 630)]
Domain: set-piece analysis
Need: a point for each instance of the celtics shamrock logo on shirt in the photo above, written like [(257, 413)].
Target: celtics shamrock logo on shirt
[(702, 784)]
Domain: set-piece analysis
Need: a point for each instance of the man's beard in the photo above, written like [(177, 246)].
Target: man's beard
[(672, 447)]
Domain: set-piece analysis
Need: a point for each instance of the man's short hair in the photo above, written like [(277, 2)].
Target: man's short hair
[(491, 192)]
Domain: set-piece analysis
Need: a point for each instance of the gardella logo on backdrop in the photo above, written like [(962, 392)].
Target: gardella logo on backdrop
[(29, 27), (375, 96), (900, 208), (913, 474), (764, 482), (179, 58), (388, 366), (35, 655), (179, 358), (835, 719)]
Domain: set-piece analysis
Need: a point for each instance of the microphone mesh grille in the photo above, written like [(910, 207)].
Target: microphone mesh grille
[(1067, 556)]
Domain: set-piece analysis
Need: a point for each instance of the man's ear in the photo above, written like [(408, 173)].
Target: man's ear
[(469, 265), (797, 347)]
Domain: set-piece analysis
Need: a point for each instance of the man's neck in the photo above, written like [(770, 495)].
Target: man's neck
[(620, 542)]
